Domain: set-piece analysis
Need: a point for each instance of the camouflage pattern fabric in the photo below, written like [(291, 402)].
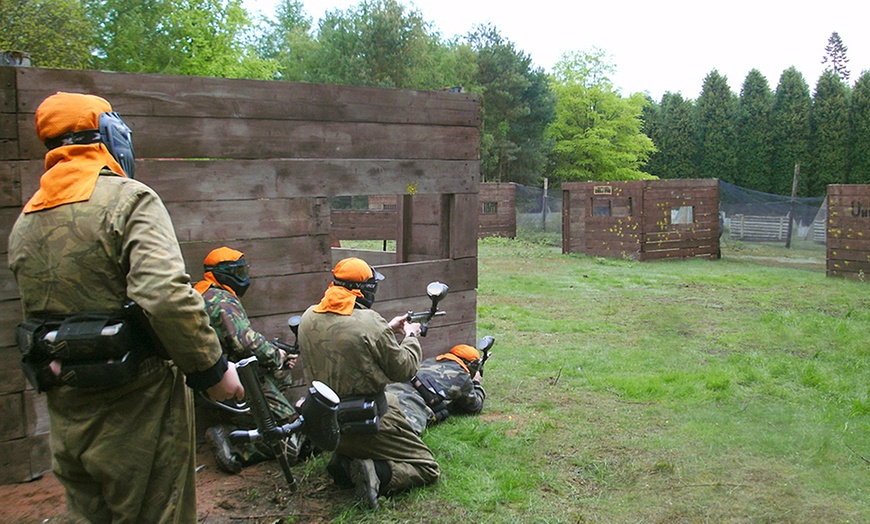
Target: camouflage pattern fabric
[(450, 381), (111, 446), (359, 355), (239, 341)]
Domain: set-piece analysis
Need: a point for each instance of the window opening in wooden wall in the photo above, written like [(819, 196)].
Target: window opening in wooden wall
[(682, 215), (490, 208), (601, 207)]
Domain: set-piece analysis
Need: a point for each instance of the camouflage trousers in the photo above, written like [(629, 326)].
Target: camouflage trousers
[(413, 406), (411, 461), (126, 454)]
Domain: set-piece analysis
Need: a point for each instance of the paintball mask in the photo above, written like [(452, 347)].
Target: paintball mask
[(233, 274), (112, 132), (368, 287)]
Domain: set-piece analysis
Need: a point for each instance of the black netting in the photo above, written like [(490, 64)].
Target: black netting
[(736, 200)]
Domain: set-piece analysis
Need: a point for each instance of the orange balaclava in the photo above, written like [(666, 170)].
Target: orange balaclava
[(221, 254), (71, 171), (462, 354), (339, 299)]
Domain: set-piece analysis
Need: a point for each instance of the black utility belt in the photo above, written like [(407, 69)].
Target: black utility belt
[(92, 349), (361, 414)]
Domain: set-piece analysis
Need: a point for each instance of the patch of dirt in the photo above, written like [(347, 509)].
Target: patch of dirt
[(258, 495)]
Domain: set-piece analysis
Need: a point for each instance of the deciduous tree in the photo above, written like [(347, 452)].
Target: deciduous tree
[(55, 33)]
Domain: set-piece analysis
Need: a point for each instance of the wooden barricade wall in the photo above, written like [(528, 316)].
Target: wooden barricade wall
[(498, 210), (848, 238), (253, 164), (641, 219)]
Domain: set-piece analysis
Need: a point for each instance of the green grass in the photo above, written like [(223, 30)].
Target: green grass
[(681, 391)]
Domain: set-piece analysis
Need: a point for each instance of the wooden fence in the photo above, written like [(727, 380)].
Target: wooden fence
[(641, 219), (848, 235), (253, 165), (759, 228)]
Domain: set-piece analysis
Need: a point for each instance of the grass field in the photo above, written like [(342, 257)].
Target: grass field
[(623, 392)]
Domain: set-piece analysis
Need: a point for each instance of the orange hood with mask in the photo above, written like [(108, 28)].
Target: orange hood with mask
[(72, 170), (215, 257), (462, 354), (339, 299)]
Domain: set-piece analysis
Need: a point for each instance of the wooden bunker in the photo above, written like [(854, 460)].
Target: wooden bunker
[(848, 232), (253, 165), (642, 219), (498, 209)]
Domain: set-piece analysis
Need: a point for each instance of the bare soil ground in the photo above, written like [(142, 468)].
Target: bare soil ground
[(259, 494)]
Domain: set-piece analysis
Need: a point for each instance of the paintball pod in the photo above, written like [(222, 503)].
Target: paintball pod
[(317, 417), (290, 349), (436, 291)]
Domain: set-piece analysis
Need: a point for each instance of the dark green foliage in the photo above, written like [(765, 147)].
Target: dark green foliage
[(829, 136), (791, 129), (755, 143), (716, 125), (677, 143), (55, 33), (517, 106), (860, 128)]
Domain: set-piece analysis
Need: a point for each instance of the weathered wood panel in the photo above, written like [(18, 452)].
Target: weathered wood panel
[(363, 224), (498, 210), (634, 219), (848, 231)]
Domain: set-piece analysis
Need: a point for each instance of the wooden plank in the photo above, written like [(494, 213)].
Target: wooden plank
[(362, 224), (176, 137), (267, 256), (36, 419), (10, 316), (10, 184), (11, 377), (464, 226), (12, 425), (847, 191), (248, 219), (8, 286), (8, 90), (848, 254), (286, 178), (24, 459), (191, 96)]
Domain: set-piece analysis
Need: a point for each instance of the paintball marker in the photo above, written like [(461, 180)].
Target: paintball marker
[(317, 417), (290, 349), (483, 345), (436, 291)]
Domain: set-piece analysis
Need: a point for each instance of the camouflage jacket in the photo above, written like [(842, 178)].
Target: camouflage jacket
[(94, 255), (238, 339), (356, 354), (449, 380)]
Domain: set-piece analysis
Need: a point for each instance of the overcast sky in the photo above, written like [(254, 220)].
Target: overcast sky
[(658, 46)]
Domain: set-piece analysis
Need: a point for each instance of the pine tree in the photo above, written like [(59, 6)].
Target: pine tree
[(716, 113), (835, 57), (678, 138), (791, 129), (829, 135), (860, 131), (755, 143)]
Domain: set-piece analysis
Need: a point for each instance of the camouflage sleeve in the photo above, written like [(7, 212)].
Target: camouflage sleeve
[(469, 399), (399, 362), (240, 340), (158, 282)]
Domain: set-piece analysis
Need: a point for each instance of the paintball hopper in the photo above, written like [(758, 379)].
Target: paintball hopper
[(319, 412)]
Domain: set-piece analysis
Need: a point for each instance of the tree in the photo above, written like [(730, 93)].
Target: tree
[(597, 133), (55, 33), (517, 105), (755, 142), (717, 135), (829, 135), (677, 143), (859, 117), (791, 129), (378, 43), (835, 57), (187, 37), (288, 41)]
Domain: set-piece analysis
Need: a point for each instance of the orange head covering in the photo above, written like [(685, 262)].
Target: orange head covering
[(221, 254), (339, 299), (462, 354), (71, 170)]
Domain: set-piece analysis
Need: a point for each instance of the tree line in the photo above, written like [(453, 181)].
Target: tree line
[(568, 124)]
